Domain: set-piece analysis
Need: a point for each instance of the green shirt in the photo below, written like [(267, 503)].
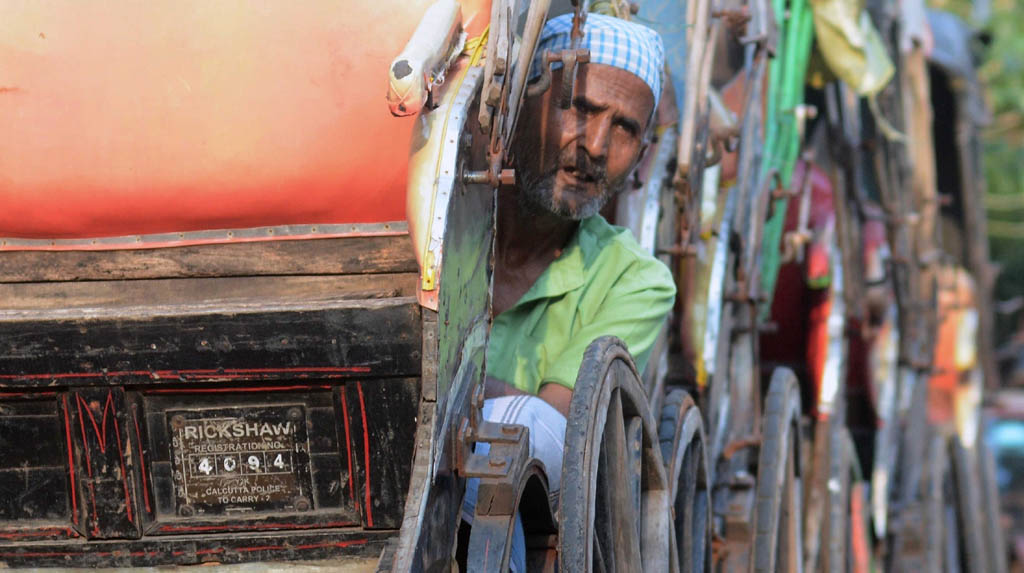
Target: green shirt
[(603, 283)]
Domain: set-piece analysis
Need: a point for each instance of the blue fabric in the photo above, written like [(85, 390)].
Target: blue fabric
[(668, 19), (611, 41)]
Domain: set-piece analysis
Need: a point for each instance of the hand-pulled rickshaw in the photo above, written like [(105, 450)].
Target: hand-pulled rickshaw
[(246, 311)]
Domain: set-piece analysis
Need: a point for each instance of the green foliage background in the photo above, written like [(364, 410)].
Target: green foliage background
[(1002, 72)]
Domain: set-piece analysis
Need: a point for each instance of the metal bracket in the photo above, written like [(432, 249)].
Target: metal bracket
[(505, 86), (736, 445), (504, 475), (569, 59), (509, 451)]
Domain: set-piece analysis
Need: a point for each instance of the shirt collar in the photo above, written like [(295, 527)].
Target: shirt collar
[(567, 272)]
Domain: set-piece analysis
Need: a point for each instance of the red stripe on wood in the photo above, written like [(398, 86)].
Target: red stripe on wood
[(101, 436), (71, 463), (260, 548), (238, 389), (334, 544), (366, 452), (206, 373), (107, 404), (142, 460), (124, 469), (88, 465), (38, 554), (207, 551), (41, 532), (348, 447), (24, 394)]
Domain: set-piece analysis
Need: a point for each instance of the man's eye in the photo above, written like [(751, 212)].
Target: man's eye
[(626, 129)]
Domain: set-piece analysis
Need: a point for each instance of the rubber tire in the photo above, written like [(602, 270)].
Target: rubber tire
[(837, 555), (941, 525), (970, 507), (678, 407), (994, 535), (579, 507), (779, 456)]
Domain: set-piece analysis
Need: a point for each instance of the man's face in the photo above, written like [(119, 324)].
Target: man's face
[(571, 162)]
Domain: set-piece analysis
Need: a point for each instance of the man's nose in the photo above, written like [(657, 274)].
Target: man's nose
[(596, 137)]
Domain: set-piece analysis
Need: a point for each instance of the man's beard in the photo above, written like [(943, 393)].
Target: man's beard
[(537, 190)]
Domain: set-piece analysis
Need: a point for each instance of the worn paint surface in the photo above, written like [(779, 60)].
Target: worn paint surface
[(434, 170), (452, 226), (111, 379), (178, 116)]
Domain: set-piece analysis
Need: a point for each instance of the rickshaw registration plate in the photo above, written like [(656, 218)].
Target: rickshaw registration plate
[(239, 459)]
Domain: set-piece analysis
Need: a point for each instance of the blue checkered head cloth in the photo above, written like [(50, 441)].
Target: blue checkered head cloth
[(612, 41)]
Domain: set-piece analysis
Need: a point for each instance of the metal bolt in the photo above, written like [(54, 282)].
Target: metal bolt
[(177, 421), (507, 177), (294, 413), (301, 504), (186, 511)]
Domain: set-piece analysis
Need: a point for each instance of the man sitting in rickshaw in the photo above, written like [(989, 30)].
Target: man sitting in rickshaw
[(563, 276)]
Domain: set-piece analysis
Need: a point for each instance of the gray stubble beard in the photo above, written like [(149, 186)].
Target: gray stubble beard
[(537, 195)]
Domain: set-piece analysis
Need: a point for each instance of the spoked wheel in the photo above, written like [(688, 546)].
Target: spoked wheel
[(970, 506), (994, 535), (778, 541), (614, 511), (684, 449), (837, 555), (941, 526)]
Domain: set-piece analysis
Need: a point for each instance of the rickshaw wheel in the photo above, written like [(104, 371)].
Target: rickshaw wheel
[(778, 541), (614, 509), (941, 527), (837, 556), (996, 549), (970, 506), (684, 449)]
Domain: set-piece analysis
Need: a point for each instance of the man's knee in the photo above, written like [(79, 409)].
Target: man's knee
[(546, 425)]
